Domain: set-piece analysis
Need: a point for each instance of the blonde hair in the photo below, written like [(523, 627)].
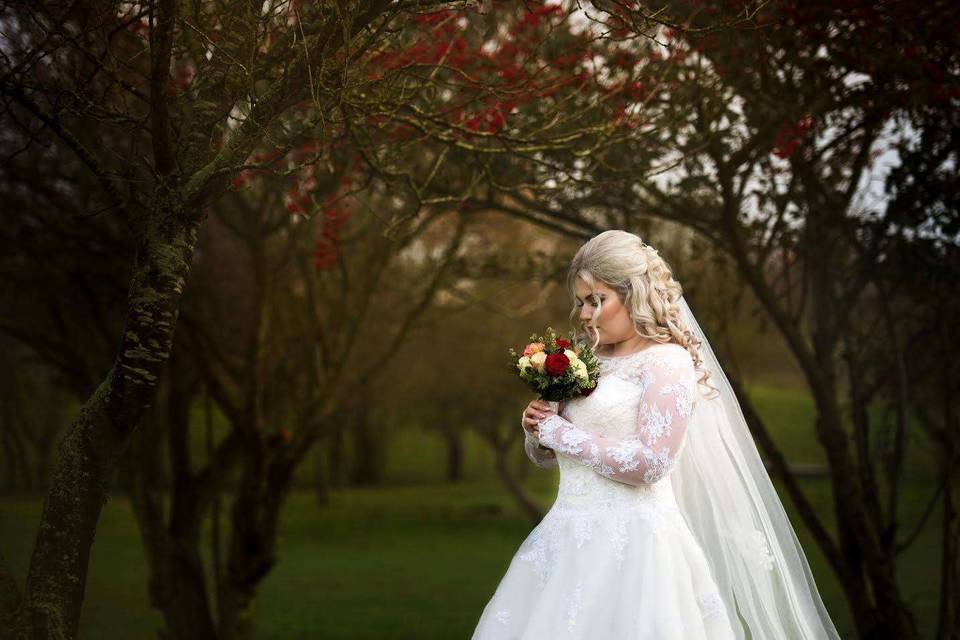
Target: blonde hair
[(644, 282)]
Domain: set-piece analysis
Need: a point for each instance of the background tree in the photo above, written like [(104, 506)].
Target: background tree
[(574, 121), (769, 163), (165, 110)]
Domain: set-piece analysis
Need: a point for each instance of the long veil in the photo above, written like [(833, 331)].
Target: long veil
[(731, 506)]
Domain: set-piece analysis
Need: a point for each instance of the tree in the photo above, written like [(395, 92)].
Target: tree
[(180, 141), (768, 164), (166, 110), (775, 130)]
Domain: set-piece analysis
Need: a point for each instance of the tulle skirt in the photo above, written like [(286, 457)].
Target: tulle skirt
[(613, 572)]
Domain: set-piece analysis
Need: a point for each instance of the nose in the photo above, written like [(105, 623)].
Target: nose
[(585, 314)]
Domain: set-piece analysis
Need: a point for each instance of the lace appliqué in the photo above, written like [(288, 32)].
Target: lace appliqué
[(711, 605), (503, 616), (570, 440), (683, 392), (658, 464), (753, 547), (630, 369), (545, 458), (625, 454), (562, 436), (546, 542), (653, 424), (761, 550)]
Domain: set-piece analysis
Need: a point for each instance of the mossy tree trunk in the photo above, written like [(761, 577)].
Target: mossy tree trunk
[(101, 433)]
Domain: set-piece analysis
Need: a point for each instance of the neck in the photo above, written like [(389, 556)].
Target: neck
[(628, 346)]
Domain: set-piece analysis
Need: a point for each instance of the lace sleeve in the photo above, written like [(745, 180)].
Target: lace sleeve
[(649, 453), (540, 456)]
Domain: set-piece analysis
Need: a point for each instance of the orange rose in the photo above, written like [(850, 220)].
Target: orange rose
[(533, 348)]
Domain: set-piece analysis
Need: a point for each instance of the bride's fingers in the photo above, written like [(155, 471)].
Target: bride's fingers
[(531, 420)]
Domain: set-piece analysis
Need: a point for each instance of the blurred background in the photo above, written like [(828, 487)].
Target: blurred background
[(261, 268)]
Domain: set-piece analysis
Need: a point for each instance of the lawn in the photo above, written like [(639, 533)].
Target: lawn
[(416, 558)]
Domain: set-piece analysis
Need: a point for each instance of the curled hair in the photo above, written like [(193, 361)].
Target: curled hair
[(644, 282)]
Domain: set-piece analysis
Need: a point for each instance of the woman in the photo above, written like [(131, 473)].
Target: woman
[(666, 525)]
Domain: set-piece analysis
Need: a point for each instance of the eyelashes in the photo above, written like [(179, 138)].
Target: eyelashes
[(580, 304)]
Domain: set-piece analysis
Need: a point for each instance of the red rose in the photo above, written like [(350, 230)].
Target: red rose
[(556, 364), (563, 344)]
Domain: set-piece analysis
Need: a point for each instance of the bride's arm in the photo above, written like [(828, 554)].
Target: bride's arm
[(540, 456), (648, 454)]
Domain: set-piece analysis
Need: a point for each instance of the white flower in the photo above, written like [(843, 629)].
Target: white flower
[(538, 359), (524, 363), (580, 370)]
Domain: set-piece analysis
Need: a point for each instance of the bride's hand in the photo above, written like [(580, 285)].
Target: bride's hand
[(536, 411)]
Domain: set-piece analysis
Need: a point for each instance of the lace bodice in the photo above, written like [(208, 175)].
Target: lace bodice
[(630, 429)]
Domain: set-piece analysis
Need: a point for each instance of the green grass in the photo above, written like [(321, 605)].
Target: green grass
[(790, 414), (419, 559), (400, 562)]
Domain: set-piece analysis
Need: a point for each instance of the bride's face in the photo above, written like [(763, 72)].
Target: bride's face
[(613, 320)]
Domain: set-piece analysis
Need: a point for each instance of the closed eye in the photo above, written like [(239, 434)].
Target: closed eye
[(579, 302)]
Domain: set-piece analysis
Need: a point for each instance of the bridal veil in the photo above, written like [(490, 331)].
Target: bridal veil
[(730, 504)]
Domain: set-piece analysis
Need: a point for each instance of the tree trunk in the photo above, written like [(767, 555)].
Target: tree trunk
[(17, 465), (869, 579), (44, 453), (253, 548), (12, 612), (948, 621), (335, 452), (454, 456), (100, 434), (237, 612), (526, 503), (368, 451), (178, 589), (321, 483), (178, 585)]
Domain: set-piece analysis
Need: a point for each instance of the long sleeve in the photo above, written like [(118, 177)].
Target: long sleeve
[(650, 452), (541, 457)]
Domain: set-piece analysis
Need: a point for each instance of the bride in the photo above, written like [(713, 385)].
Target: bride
[(666, 525)]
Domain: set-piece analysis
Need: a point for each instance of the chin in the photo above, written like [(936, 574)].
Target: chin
[(602, 340)]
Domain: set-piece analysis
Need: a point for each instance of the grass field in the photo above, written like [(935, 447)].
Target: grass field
[(414, 558)]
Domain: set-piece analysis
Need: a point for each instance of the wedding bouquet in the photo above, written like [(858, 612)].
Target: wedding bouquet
[(555, 368)]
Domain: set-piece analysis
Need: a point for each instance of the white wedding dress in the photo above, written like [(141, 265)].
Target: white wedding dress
[(613, 558)]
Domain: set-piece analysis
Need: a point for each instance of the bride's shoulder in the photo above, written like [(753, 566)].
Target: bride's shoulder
[(669, 355), (642, 366), (663, 351), (675, 350)]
